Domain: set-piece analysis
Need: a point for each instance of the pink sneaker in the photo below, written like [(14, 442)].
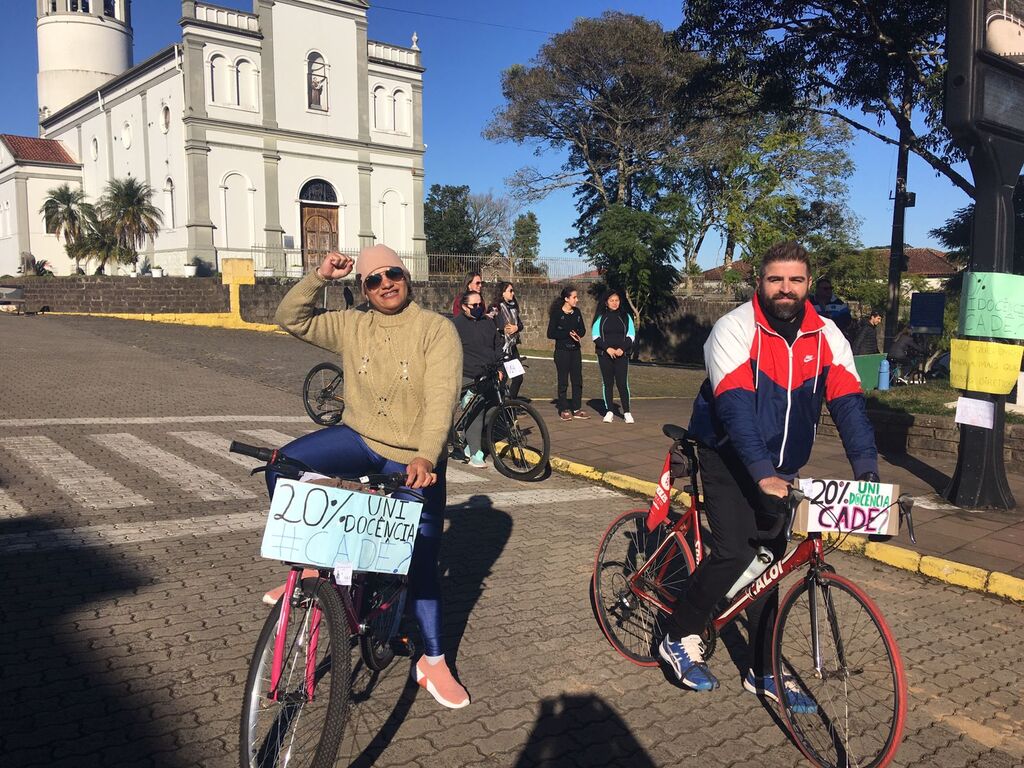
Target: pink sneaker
[(270, 597), (440, 684)]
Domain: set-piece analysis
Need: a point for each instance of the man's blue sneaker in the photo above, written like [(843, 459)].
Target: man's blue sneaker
[(686, 658), (796, 699)]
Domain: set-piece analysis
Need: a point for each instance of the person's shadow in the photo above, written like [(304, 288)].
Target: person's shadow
[(70, 703), (381, 701), (565, 722)]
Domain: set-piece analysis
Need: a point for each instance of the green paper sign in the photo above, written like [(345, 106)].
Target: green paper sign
[(992, 305)]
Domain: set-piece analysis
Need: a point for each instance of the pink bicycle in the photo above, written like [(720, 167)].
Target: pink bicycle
[(296, 701), (829, 639)]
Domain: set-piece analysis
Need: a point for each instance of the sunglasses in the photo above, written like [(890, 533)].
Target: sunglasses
[(394, 274)]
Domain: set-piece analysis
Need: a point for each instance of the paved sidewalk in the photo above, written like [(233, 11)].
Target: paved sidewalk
[(986, 539)]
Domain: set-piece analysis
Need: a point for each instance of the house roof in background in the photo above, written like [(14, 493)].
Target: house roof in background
[(29, 149), (716, 273)]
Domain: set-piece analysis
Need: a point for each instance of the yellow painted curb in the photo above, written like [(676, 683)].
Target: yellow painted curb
[(572, 468), (202, 319), (853, 544), (627, 483), (1004, 585), (897, 557), (954, 573)]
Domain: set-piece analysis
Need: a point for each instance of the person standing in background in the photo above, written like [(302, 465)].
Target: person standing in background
[(613, 334), (827, 304), (473, 282), (481, 348), (566, 327), (864, 335), (510, 323)]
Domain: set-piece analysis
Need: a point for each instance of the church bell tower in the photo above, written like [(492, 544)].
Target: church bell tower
[(82, 44)]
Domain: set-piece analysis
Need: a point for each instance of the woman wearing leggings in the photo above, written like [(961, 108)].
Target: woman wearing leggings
[(565, 326), (400, 394), (613, 335)]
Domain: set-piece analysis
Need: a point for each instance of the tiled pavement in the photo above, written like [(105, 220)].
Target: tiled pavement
[(125, 631), (992, 540)]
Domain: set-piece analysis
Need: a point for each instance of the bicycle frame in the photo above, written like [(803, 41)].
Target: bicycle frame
[(350, 598)]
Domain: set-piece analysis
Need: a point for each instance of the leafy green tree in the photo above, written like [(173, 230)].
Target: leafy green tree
[(835, 58), (100, 244), (633, 250), (525, 245), (446, 220), (127, 212), (66, 213), (603, 94)]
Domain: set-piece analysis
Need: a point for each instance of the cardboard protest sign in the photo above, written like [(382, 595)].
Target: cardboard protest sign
[(984, 366), (992, 305), (848, 506), (313, 524)]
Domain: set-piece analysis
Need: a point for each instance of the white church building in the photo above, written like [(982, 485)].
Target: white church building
[(273, 135)]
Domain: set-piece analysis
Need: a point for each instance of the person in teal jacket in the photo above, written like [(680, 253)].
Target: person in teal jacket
[(613, 334)]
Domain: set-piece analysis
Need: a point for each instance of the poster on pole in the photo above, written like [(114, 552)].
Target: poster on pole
[(984, 366), (992, 305)]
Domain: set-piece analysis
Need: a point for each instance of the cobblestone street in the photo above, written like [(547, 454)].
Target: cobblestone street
[(129, 543)]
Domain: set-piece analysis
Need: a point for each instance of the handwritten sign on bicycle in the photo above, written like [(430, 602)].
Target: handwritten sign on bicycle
[(318, 525), (848, 506)]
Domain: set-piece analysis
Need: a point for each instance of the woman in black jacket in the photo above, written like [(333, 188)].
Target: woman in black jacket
[(565, 326), (505, 310), (613, 335)]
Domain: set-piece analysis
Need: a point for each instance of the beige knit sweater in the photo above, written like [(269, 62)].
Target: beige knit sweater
[(400, 392)]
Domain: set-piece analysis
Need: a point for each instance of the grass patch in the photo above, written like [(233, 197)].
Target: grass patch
[(926, 399)]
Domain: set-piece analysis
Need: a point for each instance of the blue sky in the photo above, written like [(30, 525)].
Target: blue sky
[(464, 62)]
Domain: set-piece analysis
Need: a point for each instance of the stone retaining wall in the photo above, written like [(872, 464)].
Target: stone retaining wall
[(904, 433), (82, 293)]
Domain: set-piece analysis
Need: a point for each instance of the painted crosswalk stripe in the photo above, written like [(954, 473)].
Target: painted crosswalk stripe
[(462, 477), (9, 508), (127, 533), (206, 485), (81, 481), (125, 420), (269, 438), (215, 444)]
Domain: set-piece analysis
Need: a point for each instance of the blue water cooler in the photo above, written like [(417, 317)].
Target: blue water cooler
[(883, 374)]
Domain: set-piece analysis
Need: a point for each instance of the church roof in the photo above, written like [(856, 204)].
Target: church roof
[(28, 149)]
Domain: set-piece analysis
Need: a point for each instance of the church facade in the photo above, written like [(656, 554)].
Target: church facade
[(275, 135)]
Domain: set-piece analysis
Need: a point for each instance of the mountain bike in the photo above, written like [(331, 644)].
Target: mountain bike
[(322, 394), (829, 638), (296, 701), (515, 434)]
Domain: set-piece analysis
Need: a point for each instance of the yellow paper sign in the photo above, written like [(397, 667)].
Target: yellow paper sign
[(984, 366)]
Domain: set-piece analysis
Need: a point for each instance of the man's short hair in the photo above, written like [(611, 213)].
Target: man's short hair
[(790, 250), (875, 313)]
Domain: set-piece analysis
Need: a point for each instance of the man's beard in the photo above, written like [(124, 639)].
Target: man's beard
[(781, 311)]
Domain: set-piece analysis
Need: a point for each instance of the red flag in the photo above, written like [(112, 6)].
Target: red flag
[(659, 507)]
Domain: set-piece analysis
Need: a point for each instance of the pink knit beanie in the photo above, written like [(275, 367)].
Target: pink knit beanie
[(373, 258)]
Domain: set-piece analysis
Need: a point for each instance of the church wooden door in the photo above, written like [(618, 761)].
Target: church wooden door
[(319, 233)]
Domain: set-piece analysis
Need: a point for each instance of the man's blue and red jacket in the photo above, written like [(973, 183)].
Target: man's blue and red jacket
[(764, 396)]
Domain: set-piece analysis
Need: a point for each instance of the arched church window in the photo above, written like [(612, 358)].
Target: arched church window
[(245, 84), (79, 6), (318, 191), (169, 203), (220, 89), (316, 81), (165, 119), (126, 136), (94, 148), (398, 111), (381, 110)]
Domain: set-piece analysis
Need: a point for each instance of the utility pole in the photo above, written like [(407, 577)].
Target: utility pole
[(984, 111), (897, 257)]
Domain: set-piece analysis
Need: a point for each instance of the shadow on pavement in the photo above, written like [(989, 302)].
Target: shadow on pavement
[(936, 478), (475, 538), (75, 696), (374, 720), (581, 730)]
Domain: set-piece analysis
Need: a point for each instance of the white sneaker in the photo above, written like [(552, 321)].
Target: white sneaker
[(627, 417), (608, 417)]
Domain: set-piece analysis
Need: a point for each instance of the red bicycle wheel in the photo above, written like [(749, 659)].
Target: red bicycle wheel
[(625, 607), (858, 689)]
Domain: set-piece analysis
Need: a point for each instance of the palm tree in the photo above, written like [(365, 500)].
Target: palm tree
[(67, 215), (99, 242), (127, 205)]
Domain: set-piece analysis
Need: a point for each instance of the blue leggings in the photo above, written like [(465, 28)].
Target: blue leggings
[(341, 451)]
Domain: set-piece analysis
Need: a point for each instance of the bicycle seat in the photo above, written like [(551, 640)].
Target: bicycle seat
[(674, 432)]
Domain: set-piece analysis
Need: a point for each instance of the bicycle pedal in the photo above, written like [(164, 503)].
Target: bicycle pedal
[(403, 646)]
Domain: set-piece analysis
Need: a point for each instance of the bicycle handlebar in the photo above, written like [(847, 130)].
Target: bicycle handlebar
[(384, 481), (785, 520)]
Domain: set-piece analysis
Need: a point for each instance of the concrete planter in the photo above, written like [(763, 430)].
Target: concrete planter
[(190, 270), (157, 272)]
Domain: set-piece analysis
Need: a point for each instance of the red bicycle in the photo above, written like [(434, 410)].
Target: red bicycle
[(829, 639)]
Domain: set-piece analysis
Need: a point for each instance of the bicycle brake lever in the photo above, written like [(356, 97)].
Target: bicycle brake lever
[(906, 503)]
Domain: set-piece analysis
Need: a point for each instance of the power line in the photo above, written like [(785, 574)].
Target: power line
[(456, 18)]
